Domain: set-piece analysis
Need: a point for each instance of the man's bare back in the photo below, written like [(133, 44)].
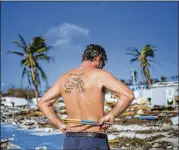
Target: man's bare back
[(82, 91), (83, 97)]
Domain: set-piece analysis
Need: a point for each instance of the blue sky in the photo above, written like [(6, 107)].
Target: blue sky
[(70, 26)]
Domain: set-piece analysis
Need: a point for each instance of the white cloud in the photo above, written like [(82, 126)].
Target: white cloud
[(65, 34), (59, 42)]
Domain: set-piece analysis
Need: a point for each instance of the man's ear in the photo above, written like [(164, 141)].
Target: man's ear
[(98, 58)]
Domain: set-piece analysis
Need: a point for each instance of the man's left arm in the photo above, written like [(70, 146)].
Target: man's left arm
[(46, 105)]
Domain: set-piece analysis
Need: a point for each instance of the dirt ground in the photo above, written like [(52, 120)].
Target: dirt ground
[(162, 135)]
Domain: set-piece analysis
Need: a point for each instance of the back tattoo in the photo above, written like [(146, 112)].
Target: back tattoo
[(74, 81)]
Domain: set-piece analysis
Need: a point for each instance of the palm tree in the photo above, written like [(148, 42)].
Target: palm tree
[(155, 80), (174, 78), (143, 57), (163, 79), (30, 56)]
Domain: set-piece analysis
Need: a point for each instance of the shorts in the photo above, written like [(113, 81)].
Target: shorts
[(86, 141)]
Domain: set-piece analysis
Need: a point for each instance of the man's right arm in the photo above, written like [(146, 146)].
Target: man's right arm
[(119, 89)]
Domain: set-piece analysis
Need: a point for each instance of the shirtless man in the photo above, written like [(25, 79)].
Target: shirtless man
[(82, 90)]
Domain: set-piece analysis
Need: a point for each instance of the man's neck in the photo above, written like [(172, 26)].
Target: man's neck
[(87, 64)]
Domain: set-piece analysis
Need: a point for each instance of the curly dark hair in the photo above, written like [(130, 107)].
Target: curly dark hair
[(92, 51)]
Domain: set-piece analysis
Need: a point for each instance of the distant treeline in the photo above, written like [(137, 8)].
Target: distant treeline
[(19, 92)]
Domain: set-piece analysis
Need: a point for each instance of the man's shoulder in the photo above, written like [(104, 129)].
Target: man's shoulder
[(100, 74), (68, 73), (103, 72), (62, 77)]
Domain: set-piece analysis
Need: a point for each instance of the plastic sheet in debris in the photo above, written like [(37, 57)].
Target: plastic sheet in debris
[(174, 120)]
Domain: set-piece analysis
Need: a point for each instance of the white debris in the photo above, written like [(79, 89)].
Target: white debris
[(48, 129), (41, 148), (140, 112), (174, 120)]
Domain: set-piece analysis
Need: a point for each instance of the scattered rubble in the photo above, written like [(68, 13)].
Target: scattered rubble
[(132, 132), (5, 144)]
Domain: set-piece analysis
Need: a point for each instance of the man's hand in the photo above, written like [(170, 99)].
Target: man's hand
[(62, 127), (107, 118)]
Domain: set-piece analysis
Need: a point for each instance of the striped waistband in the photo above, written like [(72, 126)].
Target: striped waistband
[(87, 134)]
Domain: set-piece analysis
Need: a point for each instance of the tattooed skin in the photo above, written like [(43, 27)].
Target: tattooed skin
[(74, 81)]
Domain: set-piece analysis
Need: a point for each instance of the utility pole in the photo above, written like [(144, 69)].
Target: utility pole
[(133, 77)]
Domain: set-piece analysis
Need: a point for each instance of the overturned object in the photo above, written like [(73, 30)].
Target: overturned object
[(148, 117), (174, 120)]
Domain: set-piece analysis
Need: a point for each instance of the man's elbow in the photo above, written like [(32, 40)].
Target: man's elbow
[(40, 104), (131, 96)]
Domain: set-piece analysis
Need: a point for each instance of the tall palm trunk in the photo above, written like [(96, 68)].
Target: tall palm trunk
[(36, 93), (34, 81), (147, 75)]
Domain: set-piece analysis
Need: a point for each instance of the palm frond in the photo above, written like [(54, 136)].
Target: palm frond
[(150, 54), (29, 78), (41, 72), (133, 59), (20, 45), (44, 57), (23, 73), (148, 51), (38, 79), (37, 43), (154, 62), (133, 49), (22, 40), (148, 64), (43, 49), (132, 54), (148, 45), (24, 62), (18, 53), (153, 69)]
